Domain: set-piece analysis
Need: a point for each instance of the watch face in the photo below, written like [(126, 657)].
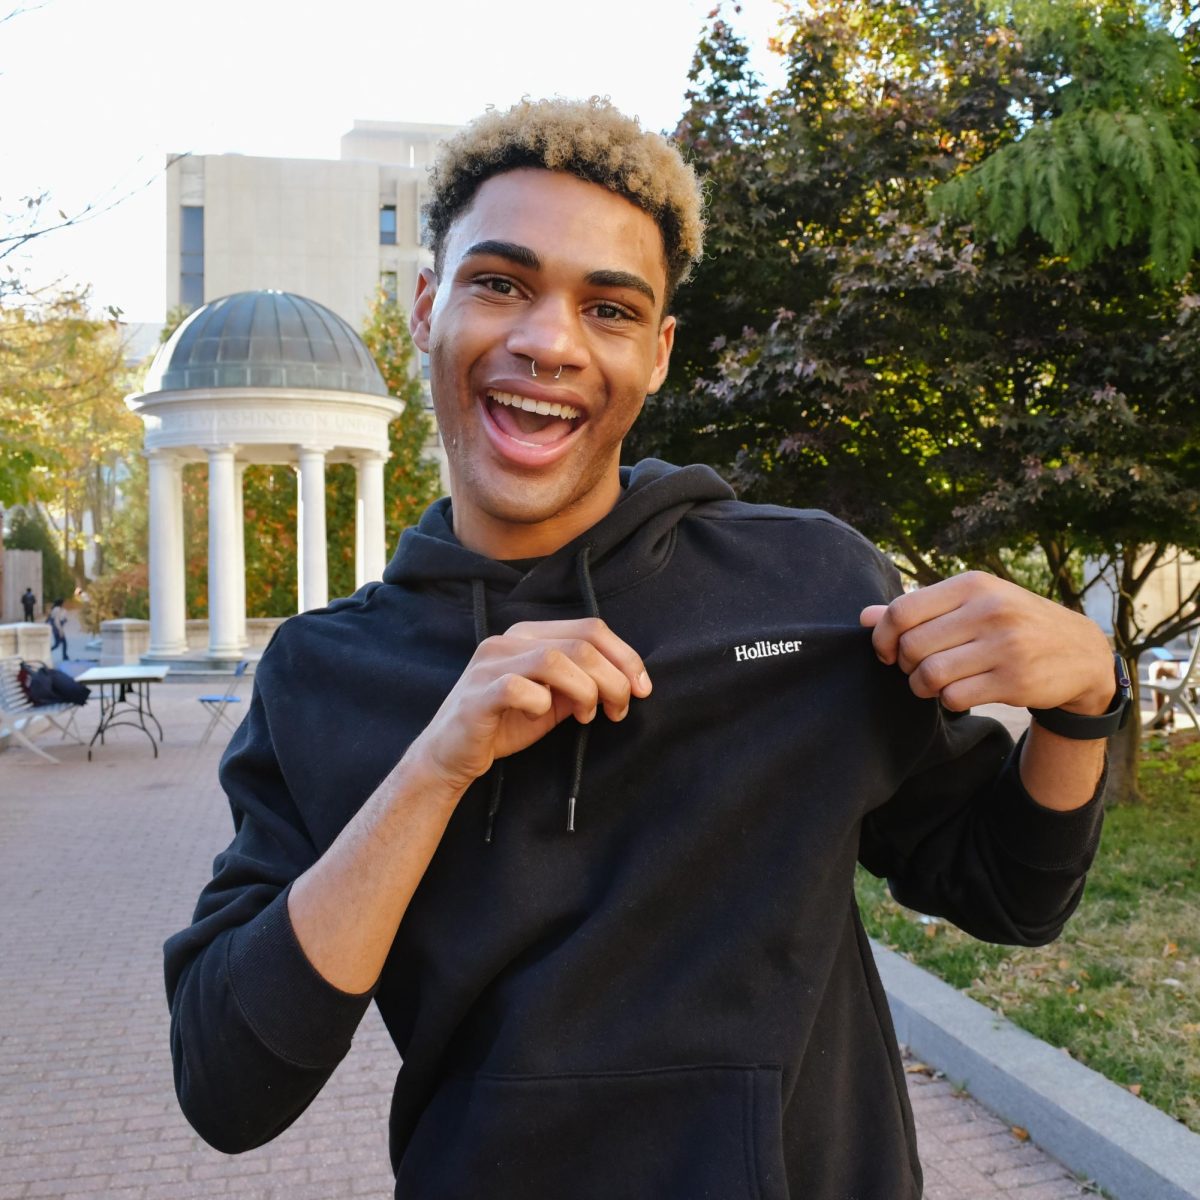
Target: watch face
[(1123, 681)]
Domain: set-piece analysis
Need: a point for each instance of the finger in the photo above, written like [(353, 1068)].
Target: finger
[(938, 673), (925, 604), (971, 691), (513, 691), (591, 629), (613, 686), (577, 671), (574, 669), (872, 615), (934, 637)]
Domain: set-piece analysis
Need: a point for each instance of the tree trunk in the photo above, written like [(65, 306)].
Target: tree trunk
[(1125, 748), (1124, 751)]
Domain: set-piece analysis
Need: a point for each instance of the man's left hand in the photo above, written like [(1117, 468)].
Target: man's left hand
[(975, 639)]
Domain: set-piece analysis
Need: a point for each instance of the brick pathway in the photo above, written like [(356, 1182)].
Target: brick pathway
[(99, 862)]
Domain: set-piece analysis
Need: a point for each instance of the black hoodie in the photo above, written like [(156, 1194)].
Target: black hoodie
[(676, 1000)]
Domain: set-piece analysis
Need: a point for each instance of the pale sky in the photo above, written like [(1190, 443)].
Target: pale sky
[(95, 93)]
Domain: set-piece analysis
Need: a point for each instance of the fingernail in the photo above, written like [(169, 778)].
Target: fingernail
[(644, 681)]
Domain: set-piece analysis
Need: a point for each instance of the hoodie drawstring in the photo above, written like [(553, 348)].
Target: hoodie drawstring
[(479, 607), (582, 564)]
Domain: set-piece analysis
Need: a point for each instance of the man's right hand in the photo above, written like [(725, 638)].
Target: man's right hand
[(520, 685), (347, 906)]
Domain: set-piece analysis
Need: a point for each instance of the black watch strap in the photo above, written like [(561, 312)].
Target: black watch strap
[(1083, 728)]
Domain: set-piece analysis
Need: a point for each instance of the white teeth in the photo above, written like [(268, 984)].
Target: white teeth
[(543, 407)]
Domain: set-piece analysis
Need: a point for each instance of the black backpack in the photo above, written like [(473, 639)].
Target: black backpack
[(47, 685)]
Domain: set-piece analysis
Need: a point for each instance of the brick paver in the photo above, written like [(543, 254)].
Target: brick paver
[(99, 862)]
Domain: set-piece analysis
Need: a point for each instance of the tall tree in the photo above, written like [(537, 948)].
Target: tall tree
[(68, 435), (411, 481), (1110, 158), (960, 398)]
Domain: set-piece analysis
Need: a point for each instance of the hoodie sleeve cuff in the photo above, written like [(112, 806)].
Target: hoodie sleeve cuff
[(295, 1012), (1041, 837)]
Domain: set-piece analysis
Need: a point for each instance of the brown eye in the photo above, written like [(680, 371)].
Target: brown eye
[(611, 312)]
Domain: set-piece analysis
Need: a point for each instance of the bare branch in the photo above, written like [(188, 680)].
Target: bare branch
[(21, 11), (11, 243)]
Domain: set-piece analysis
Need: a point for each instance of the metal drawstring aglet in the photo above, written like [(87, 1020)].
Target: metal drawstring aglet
[(571, 814)]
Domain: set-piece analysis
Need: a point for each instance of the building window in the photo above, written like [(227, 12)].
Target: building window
[(424, 365), (387, 225), (387, 281), (191, 256)]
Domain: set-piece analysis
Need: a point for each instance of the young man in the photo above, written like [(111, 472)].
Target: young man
[(576, 793)]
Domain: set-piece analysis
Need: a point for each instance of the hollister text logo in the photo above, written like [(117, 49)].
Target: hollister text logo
[(765, 650)]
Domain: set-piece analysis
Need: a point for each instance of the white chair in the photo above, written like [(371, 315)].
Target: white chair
[(1178, 688), (218, 706), (18, 714)]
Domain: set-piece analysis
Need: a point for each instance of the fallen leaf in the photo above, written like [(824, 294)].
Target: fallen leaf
[(1063, 964), (1022, 1135), (918, 1068), (1135, 1088), (1170, 950)]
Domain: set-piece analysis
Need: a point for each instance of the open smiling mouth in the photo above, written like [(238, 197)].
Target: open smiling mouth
[(533, 423)]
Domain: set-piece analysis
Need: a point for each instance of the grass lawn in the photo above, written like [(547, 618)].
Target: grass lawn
[(1120, 990)]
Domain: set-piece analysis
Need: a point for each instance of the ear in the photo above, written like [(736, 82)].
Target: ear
[(422, 308), (662, 354)]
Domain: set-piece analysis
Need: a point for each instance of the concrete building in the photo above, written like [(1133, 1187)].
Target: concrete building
[(332, 230)]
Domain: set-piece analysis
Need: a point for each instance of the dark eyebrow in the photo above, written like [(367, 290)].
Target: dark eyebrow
[(525, 257), (521, 255), (621, 279)]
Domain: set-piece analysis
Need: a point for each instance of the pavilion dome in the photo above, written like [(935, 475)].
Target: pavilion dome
[(265, 339)]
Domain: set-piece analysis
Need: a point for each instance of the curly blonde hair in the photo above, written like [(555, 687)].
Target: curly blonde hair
[(587, 138)]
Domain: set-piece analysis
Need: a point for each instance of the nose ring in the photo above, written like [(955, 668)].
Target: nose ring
[(533, 369)]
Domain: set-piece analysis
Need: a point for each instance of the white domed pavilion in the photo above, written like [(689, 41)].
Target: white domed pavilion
[(258, 377)]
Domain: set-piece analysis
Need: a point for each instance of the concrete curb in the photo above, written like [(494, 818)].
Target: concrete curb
[(1092, 1126)]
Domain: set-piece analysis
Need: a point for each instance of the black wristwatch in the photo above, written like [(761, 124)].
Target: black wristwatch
[(1076, 725)]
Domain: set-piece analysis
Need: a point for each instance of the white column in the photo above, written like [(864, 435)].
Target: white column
[(370, 526), (360, 568), (310, 535), (239, 538), (222, 555), (168, 633)]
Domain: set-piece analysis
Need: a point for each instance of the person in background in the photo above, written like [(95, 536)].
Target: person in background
[(57, 620), (28, 603)]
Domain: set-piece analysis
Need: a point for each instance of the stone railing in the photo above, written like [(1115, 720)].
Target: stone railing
[(126, 640), (29, 639)]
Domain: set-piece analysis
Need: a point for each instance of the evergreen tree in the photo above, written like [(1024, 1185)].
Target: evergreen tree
[(29, 530), (411, 478)]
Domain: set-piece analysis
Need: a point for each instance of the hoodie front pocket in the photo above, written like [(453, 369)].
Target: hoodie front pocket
[(678, 1133)]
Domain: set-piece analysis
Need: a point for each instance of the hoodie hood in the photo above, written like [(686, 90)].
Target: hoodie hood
[(631, 542)]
